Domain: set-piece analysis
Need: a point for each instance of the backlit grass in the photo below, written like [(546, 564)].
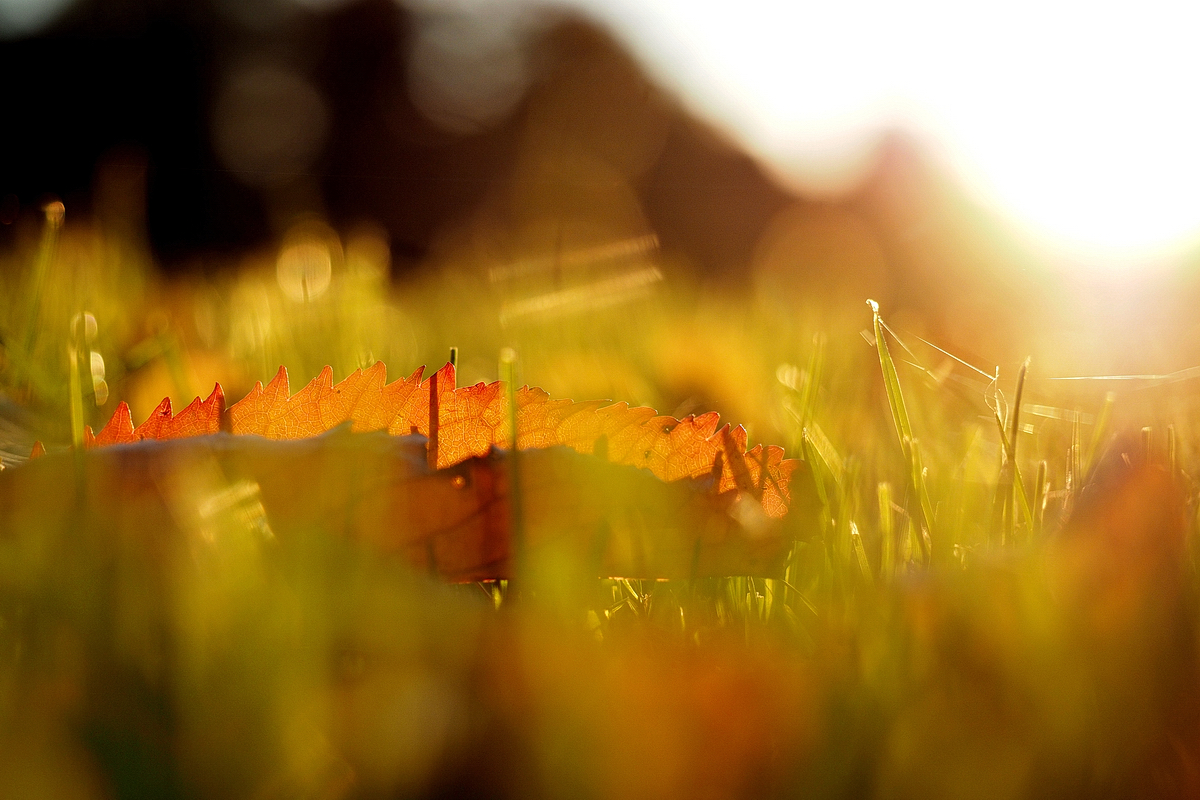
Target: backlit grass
[(986, 599)]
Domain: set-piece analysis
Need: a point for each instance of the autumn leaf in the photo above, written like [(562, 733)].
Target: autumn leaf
[(464, 422), (635, 493)]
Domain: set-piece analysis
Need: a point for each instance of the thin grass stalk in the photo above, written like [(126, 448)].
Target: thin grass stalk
[(908, 445), (906, 543), (808, 396), (813, 458), (891, 384), (770, 587), (926, 506), (860, 554), (1099, 430), (1172, 452), (824, 450), (887, 533), (1018, 484), (1009, 485), (1002, 503), (1016, 414), (1039, 498), (1077, 468), (508, 374), (75, 395), (846, 501)]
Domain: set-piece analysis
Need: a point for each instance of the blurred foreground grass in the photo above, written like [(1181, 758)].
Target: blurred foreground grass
[(954, 622)]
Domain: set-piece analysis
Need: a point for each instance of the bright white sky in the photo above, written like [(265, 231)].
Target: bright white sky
[(1080, 120)]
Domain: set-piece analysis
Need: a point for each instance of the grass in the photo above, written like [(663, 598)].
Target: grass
[(940, 631)]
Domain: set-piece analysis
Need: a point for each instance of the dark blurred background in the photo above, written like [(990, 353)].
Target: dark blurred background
[(240, 116)]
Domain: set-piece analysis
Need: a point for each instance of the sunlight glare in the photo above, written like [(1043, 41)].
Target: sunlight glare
[(1077, 121)]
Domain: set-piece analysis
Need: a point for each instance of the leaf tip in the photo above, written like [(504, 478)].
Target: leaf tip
[(279, 382), (446, 377), (216, 398)]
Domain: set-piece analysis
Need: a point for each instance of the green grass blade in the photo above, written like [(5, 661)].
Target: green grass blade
[(1075, 457), (808, 395), (920, 485), (75, 388), (1172, 452), (891, 383), (811, 457), (1009, 483), (1039, 497), (508, 374), (860, 554), (1015, 422), (820, 445), (1098, 432), (1018, 484), (887, 532), (908, 444)]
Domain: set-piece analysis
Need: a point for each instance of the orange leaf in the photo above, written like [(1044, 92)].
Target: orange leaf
[(461, 423), (119, 429), (255, 412), (155, 423), (469, 422), (200, 418), (376, 413)]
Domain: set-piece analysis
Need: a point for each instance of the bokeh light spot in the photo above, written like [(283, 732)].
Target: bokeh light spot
[(467, 71), (304, 269), (269, 124)]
